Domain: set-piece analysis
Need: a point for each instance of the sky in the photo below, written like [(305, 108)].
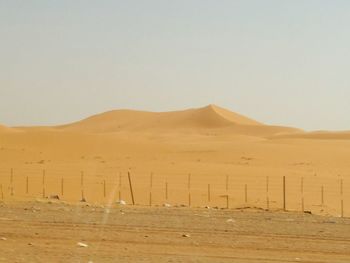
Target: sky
[(279, 62)]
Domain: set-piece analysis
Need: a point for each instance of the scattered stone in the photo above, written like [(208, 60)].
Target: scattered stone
[(167, 205), (30, 244), (231, 220), (3, 238), (186, 235), (80, 244), (121, 202), (56, 197), (308, 212), (207, 207)]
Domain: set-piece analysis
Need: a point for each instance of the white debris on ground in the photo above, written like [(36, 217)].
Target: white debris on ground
[(121, 202), (80, 244), (167, 205)]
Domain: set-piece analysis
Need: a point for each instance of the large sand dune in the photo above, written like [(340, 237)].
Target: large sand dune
[(211, 143), (210, 117)]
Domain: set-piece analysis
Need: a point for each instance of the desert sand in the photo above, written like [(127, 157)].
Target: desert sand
[(208, 185), (210, 155), (57, 232)]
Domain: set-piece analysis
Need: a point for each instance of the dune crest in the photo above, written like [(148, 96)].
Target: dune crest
[(210, 116)]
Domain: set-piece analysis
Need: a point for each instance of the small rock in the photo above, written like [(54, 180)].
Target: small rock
[(186, 235), (167, 205), (83, 200), (3, 238), (54, 197), (121, 202), (30, 244), (80, 244), (230, 220)]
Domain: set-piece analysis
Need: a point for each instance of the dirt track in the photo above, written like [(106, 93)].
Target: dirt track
[(49, 232)]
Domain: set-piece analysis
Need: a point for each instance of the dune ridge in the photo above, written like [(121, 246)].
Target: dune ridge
[(209, 117)]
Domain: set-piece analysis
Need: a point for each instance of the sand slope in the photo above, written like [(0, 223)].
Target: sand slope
[(210, 117)]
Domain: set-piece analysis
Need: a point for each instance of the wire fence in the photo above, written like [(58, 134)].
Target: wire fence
[(315, 194)]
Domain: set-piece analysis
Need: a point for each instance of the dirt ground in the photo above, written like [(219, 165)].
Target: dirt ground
[(49, 231)]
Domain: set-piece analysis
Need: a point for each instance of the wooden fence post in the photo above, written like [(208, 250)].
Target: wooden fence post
[(104, 188), (189, 190), (302, 194), (82, 186), (341, 199), (27, 185), (166, 191), (2, 192), (120, 186), (44, 173), (62, 185), (11, 180), (150, 189), (131, 191), (209, 193), (267, 193), (246, 193), (284, 193)]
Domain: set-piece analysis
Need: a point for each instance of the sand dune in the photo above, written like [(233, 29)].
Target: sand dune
[(210, 117), (318, 135)]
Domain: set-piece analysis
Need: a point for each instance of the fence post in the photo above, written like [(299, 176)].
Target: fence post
[(302, 194), (284, 193), (2, 192), (150, 189), (246, 193), (209, 193), (27, 185), (104, 188), (342, 199), (11, 180), (131, 191), (189, 190), (166, 190), (120, 186), (267, 193), (82, 185), (62, 182), (322, 195), (44, 183)]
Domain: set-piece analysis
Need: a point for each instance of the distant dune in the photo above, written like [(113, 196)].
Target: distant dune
[(317, 135), (209, 117)]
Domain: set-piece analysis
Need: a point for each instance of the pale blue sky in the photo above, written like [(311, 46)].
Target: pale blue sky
[(279, 62)]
